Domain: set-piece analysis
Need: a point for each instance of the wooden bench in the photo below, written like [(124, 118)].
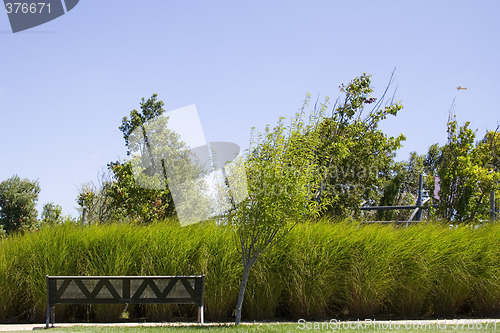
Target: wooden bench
[(124, 290)]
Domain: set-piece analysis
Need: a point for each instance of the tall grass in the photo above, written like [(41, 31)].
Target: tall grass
[(322, 270)]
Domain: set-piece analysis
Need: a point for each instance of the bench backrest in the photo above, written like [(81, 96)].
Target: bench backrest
[(125, 289)]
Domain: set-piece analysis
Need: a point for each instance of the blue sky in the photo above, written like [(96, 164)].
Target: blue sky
[(65, 85)]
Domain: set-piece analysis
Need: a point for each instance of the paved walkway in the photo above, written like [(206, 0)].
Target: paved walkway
[(30, 327)]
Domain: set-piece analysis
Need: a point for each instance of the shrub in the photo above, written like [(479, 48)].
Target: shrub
[(323, 270)]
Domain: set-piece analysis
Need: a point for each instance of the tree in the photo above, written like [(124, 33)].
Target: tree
[(119, 196), (292, 172), (356, 157), (51, 214), (150, 109), (127, 199), (393, 194), (433, 159), (18, 199), (96, 200), (282, 175), (468, 171)]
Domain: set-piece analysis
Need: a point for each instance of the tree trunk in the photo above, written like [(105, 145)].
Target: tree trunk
[(244, 280)]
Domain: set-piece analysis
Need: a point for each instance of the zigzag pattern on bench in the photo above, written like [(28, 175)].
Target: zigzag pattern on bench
[(117, 290), (124, 289)]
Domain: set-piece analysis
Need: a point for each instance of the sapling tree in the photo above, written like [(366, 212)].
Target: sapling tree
[(282, 175)]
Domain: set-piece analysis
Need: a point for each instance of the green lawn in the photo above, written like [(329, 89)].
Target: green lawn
[(451, 326)]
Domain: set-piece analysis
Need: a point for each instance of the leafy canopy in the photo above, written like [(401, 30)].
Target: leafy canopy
[(18, 199), (468, 171), (291, 169), (355, 156), (119, 196)]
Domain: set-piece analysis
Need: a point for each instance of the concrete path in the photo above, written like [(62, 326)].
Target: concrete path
[(30, 327)]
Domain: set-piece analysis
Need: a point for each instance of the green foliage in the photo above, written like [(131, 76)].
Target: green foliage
[(162, 161), (118, 249), (135, 202), (296, 172), (402, 187), (468, 171), (433, 159), (51, 214), (355, 156), (119, 197), (392, 193), (17, 203), (96, 201), (282, 174), (281, 177), (324, 269), (150, 109), (127, 199)]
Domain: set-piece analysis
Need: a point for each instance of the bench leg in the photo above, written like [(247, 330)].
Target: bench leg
[(50, 317), (200, 315), (47, 318), (53, 310)]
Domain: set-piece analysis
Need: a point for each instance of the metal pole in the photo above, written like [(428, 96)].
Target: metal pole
[(84, 215), (387, 207), (492, 206), (419, 200)]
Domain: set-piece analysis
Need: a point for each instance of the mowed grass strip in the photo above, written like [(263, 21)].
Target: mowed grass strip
[(324, 326)]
